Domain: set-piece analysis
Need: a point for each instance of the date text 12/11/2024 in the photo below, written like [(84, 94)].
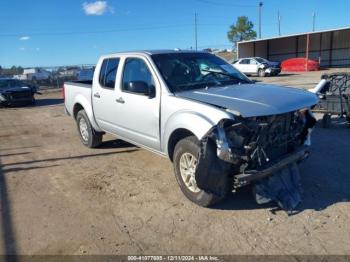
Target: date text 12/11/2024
[(173, 258)]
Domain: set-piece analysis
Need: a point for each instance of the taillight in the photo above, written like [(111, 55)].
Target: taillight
[(63, 93)]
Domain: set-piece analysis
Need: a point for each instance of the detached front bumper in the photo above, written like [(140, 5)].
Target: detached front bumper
[(250, 176)]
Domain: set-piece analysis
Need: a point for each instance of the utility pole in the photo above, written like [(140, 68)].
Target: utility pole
[(195, 31), (279, 23), (313, 21), (260, 7), (307, 52)]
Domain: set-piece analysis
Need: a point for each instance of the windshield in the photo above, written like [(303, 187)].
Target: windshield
[(261, 60), (8, 83), (187, 71)]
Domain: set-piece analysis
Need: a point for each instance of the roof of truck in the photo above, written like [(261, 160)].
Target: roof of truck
[(157, 52)]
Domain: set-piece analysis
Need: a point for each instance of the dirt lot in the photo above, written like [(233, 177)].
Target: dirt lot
[(58, 197), (304, 80)]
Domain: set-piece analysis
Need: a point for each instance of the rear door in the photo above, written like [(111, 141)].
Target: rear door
[(104, 94), (242, 65)]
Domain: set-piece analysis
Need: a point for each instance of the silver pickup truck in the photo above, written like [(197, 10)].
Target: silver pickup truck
[(220, 130)]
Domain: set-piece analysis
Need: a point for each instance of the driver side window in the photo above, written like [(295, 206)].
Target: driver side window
[(136, 75)]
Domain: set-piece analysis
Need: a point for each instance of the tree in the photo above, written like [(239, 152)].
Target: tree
[(242, 30)]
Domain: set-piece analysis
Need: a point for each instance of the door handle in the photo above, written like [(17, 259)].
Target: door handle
[(120, 100), (97, 95)]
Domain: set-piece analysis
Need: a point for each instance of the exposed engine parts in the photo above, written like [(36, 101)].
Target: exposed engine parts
[(252, 148), (253, 142)]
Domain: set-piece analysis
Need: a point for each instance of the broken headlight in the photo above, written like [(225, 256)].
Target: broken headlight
[(2, 98)]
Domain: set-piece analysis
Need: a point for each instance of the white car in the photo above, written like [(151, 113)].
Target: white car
[(257, 66), (34, 74)]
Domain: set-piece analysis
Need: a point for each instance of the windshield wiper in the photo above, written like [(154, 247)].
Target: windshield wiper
[(225, 74), (195, 84)]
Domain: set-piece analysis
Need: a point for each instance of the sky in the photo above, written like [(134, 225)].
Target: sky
[(72, 32)]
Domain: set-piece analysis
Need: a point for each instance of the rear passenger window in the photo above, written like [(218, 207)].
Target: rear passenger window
[(108, 72), (102, 72)]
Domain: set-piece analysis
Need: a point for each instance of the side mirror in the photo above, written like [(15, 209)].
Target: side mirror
[(139, 87), (142, 87), (151, 91)]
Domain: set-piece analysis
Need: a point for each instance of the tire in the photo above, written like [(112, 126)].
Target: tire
[(326, 120), (261, 73), (88, 136), (185, 148)]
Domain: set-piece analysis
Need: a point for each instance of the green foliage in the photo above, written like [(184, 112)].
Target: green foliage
[(242, 30), (11, 71)]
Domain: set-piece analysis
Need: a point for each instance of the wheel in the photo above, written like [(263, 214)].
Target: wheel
[(261, 73), (326, 120), (88, 136), (185, 161)]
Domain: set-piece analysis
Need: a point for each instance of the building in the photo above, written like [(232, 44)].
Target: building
[(330, 47)]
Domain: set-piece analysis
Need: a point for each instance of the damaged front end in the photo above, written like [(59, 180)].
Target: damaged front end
[(238, 152)]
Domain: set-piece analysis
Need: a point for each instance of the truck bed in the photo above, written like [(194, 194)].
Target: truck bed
[(85, 83), (77, 91)]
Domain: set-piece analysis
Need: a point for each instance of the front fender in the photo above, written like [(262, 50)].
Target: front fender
[(86, 104), (196, 123)]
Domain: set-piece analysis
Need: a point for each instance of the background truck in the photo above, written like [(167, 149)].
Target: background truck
[(220, 130)]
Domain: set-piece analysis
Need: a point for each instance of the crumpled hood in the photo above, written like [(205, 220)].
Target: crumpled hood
[(250, 100)]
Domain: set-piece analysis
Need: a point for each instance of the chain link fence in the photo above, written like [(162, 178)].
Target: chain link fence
[(45, 78)]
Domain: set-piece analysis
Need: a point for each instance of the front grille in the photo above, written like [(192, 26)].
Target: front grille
[(275, 135), (21, 95), (264, 139)]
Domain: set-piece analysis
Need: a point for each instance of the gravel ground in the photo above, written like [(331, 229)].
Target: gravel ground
[(58, 197)]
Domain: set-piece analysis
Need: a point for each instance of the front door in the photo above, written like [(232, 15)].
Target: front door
[(252, 66), (138, 101)]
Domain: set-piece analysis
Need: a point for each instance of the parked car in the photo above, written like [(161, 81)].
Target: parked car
[(34, 74), (16, 92), (220, 130), (257, 66)]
